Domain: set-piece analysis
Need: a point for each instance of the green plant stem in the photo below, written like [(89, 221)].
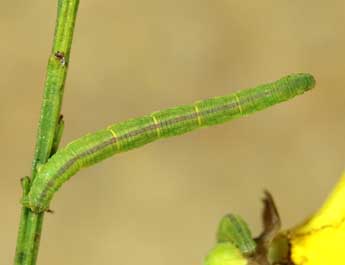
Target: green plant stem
[(50, 128)]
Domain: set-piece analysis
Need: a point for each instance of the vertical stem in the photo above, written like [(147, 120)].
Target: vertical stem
[(30, 225)]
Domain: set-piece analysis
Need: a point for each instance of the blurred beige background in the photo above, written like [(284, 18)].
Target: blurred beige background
[(161, 204)]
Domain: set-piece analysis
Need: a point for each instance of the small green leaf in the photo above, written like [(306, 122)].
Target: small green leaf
[(232, 228)]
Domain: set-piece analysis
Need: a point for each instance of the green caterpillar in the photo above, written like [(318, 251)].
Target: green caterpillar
[(134, 133)]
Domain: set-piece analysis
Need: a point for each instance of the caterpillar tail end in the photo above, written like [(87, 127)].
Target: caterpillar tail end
[(26, 202)]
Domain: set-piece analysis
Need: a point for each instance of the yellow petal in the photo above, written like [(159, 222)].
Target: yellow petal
[(321, 239)]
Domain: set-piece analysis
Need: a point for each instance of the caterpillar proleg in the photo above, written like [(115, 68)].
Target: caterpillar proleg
[(134, 133)]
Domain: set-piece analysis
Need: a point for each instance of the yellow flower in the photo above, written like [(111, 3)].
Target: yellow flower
[(321, 239)]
